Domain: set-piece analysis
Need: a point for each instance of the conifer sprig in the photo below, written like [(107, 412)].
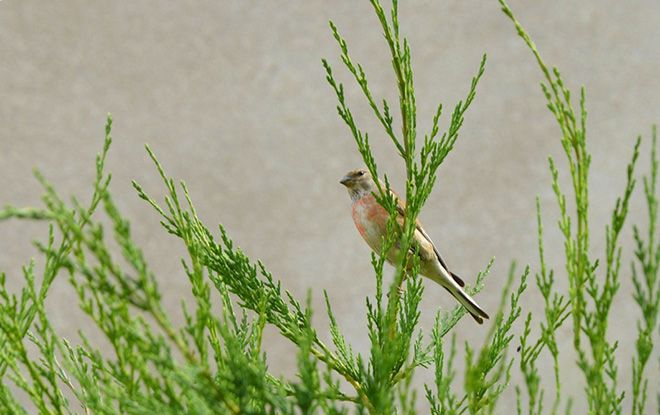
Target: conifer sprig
[(591, 288), (646, 283), (392, 325)]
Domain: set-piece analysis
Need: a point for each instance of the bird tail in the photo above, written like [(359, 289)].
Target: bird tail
[(454, 284), (477, 313)]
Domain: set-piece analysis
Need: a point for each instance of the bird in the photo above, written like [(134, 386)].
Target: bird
[(371, 219)]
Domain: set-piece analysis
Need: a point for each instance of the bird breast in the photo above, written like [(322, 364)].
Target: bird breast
[(371, 220)]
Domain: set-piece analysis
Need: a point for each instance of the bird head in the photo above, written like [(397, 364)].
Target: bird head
[(359, 183)]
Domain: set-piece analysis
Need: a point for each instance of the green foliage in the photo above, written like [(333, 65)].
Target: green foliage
[(647, 286), (215, 361), (591, 289)]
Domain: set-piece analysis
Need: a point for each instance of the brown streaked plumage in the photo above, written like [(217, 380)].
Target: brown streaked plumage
[(371, 220)]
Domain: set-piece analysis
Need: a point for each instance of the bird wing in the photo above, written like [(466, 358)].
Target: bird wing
[(423, 240), (426, 247)]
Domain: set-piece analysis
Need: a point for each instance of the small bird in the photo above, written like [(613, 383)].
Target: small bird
[(371, 221)]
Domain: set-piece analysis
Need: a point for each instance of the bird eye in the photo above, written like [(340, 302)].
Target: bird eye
[(361, 173)]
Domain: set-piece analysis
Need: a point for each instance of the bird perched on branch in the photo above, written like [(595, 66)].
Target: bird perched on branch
[(371, 221)]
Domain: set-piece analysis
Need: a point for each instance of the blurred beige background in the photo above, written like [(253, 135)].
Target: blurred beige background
[(231, 95)]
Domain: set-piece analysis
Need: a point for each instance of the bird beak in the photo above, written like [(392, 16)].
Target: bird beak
[(345, 180)]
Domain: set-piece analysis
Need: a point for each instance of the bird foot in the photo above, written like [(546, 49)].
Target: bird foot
[(401, 290)]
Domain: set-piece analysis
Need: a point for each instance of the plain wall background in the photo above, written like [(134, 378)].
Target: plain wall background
[(231, 96)]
